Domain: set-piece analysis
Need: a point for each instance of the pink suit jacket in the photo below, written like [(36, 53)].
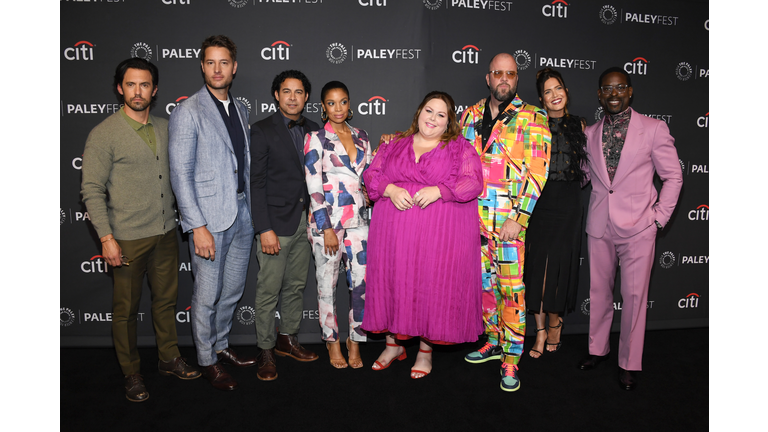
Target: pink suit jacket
[(630, 203)]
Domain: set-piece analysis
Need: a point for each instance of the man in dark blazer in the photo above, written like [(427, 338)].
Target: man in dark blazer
[(279, 208), (210, 162), (625, 149)]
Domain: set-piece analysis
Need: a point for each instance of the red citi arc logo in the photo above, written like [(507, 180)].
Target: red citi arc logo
[(184, 316), (690, 301), (279, 50), (469, 54), (558, 9), (95, 265), (701, 213), (637, 66), (376, 105), (703, 121), (82, 50), (172, 105)]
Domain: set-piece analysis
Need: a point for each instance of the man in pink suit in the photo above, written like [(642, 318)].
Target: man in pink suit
[(625, 213)]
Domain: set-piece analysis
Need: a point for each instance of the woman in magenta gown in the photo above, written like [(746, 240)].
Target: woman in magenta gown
[(423, 277)]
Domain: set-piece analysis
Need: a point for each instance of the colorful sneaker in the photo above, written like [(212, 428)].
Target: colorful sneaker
[(489, 351), (509, 380)]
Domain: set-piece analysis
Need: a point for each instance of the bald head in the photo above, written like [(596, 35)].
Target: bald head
[(503, 85), (501, 57)]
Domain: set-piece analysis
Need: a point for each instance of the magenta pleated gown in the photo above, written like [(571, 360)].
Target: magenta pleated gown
[(423, 273)]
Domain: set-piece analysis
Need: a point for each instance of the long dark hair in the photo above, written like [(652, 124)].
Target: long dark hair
[(573, 134), (451, 133)]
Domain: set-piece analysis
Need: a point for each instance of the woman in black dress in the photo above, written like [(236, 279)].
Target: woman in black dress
[(553, 242)]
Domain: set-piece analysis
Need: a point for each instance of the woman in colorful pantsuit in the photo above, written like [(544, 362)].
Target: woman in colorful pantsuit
[(335, 158)]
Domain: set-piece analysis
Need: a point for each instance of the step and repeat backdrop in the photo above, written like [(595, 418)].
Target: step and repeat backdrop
[(390, 54)]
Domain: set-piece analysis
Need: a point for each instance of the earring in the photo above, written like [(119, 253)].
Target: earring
[(324, 116), (350, 114)]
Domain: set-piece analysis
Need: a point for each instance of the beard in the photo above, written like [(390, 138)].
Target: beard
[(137, 105), (502, 95)]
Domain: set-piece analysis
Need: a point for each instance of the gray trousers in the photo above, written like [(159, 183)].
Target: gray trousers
[(282, 276)]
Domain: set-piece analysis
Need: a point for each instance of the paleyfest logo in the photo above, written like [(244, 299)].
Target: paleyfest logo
[(336, 53), (141, 50), (66, 316), (684, 71), (608, 14), (667, 260), (522, 58), (433, 4)]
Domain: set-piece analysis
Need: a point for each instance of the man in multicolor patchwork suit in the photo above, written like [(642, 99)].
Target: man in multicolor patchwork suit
[(513, 141)]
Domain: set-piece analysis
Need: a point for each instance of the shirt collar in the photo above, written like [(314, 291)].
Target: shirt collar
[(286, 120), (215, 99), (133, 123), (624, 115)]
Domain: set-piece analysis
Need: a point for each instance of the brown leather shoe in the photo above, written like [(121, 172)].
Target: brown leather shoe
[(218, 377), (267, 368), (230, 356), (288, 345), (179, 368), (627, 379), (134, 388)]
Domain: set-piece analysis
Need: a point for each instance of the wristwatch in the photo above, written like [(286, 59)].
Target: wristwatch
[(658, 225)]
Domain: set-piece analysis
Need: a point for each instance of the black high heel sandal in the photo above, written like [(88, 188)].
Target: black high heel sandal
[(559, 344)]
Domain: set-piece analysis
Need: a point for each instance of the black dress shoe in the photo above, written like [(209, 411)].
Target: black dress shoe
[(218, 377), (627, 379), (179, 368), (134, 388), (230, 356), (591, 361)]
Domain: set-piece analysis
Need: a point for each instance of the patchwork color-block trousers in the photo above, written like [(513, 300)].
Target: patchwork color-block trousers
[(503, 297), (353, 245)]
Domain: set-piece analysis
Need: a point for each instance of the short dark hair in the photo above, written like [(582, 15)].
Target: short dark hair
[(134, 63), (332, 85), (219, 41), (284, 75), (611, 70)]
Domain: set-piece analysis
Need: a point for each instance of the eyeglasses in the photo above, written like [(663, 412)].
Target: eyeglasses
[(620, 89), (498, 73)]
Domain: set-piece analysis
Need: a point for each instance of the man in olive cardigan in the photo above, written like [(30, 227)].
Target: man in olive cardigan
[(127, 190)]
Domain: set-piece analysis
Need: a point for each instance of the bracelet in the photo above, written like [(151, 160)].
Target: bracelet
[(111, 238)]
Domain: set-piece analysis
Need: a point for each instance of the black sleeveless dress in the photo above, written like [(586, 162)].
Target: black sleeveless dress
[(553, 239)]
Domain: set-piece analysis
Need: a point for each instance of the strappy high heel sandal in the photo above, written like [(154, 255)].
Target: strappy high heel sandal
[(559, 344), (381, 366)]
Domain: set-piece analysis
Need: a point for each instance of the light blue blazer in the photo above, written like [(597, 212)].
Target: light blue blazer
[(203, 163)]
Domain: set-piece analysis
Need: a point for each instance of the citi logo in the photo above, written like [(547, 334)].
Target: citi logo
[(279, 50), (703, 121), (376, 105), (701, 213), (637, 66), (558, 9), (372, 2), (689, 301), (77, 163), (82, 50), (184, 316), (469, 54), (180, 2), (172, 105), (95, 265)]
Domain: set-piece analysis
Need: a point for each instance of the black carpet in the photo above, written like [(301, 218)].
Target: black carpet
[(672, 393)]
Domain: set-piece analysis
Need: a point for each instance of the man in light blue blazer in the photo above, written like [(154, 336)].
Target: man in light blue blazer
[(210, 173)]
